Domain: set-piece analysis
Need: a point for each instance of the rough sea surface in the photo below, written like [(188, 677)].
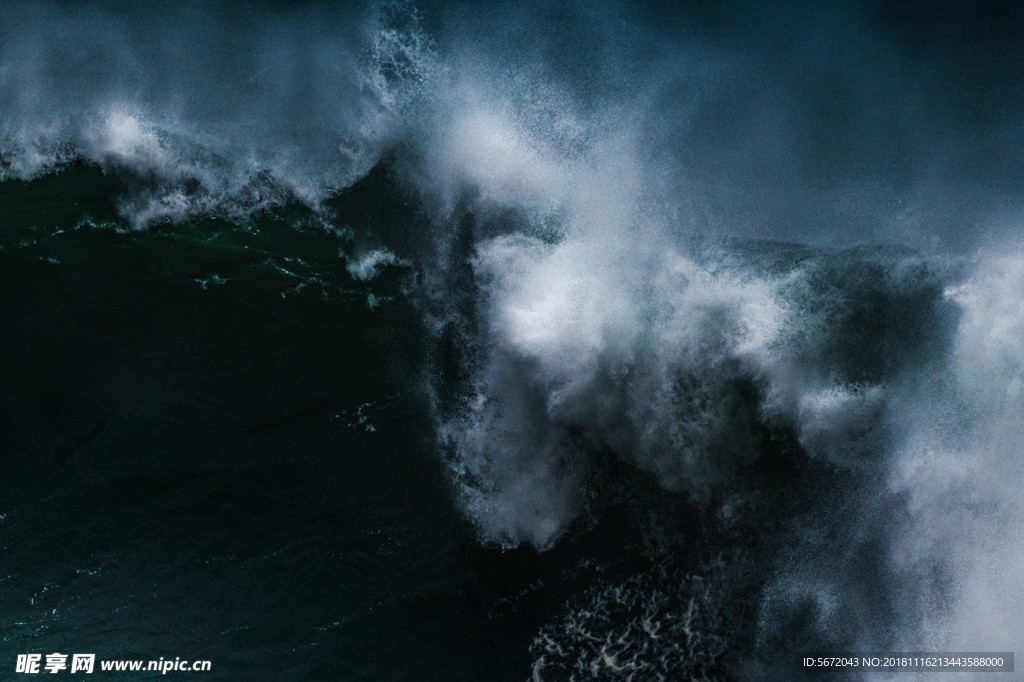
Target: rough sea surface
[(471, 341)]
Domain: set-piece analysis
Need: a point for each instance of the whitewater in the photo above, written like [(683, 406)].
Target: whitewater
[(767, 261)]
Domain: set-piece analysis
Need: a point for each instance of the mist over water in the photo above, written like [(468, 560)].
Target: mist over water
[(208, 109), (689, 241)]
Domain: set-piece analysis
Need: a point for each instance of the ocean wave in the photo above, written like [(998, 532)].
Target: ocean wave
[(207, 110), (584, 211)]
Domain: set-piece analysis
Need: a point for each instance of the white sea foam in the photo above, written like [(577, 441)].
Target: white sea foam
[(368, 265), (961, 469), (206, 110), (586, 161)]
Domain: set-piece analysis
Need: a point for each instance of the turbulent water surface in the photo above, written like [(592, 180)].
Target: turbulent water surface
[(458, 341)]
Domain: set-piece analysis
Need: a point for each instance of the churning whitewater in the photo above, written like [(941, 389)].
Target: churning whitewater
[(767, 261)]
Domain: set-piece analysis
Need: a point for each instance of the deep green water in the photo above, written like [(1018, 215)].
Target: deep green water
[(216, 445), (694, 346)]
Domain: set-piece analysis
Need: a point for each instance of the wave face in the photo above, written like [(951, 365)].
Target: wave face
[(770, 260)]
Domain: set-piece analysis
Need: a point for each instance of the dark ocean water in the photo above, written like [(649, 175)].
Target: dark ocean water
[(606, 341), (218, 447)]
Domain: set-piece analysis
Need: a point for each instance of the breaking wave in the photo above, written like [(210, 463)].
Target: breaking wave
[(635, 241)]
